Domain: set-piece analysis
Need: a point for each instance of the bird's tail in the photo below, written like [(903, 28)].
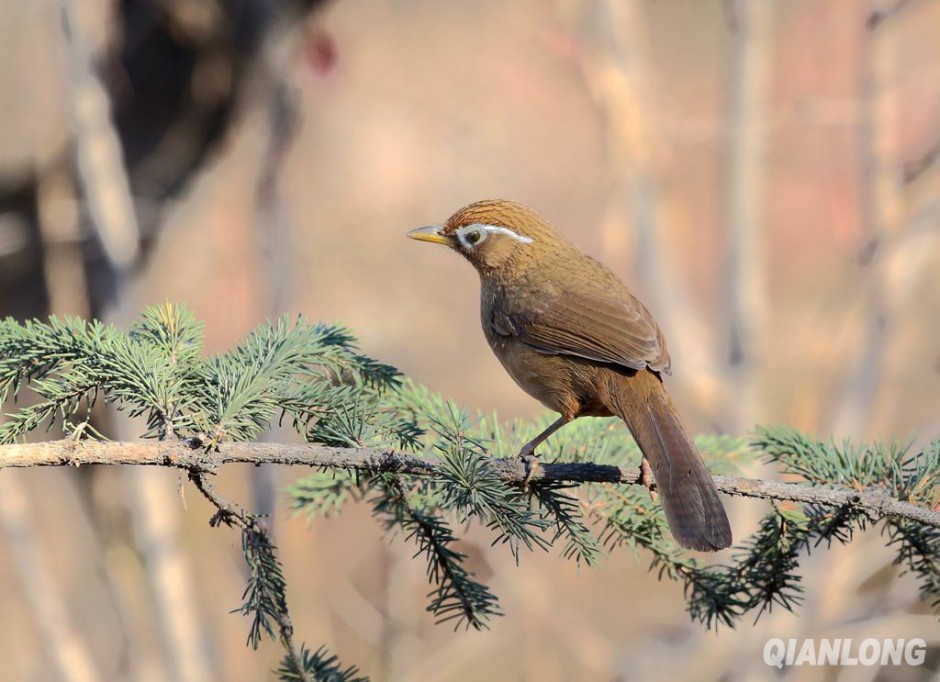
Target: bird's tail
[(690, 499)]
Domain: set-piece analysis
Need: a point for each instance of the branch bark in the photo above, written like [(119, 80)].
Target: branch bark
[(197, 461)]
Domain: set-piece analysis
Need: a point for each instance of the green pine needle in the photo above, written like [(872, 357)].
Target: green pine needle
[(319, 665)]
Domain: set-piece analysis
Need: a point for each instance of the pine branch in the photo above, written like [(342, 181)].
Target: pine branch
[(421, 461), (512, 471), (474, 488), (457, 596), (565, 510)]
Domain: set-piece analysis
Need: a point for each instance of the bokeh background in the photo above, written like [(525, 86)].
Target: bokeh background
[(765, 175)]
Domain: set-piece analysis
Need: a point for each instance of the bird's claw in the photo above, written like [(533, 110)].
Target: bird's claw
[(646, 478), (531, 463)]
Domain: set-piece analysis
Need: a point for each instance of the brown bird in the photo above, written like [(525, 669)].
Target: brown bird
[(571, 335)]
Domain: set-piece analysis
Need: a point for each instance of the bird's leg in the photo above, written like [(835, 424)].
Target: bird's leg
[(528, 450), (527, 453)]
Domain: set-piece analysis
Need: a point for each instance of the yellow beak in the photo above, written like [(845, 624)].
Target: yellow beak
[(431, 233)]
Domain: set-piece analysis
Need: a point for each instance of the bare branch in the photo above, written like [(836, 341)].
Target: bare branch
[(199, 462)]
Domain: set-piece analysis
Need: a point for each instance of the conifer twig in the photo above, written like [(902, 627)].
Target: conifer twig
[(200, 462), (230, 513)]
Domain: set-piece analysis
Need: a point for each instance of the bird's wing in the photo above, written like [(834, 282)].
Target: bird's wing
[(611, 327)]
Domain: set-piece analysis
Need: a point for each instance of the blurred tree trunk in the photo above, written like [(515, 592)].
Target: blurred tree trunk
[(618, 77), (147, 117), (746, 269), (881, 215), (168, 88), (63, 643)]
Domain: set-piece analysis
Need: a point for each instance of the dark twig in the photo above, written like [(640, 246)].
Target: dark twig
[(199, 462), (877, 17), (915, 168)]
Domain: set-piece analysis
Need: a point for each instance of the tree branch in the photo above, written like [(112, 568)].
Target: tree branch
[(198, 462)]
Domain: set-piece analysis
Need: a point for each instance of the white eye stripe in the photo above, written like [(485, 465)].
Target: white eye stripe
[(495, 229)]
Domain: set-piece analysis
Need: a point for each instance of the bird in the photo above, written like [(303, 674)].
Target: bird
[(571, 335)]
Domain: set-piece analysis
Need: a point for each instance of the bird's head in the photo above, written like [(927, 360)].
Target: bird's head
[(494, 234)]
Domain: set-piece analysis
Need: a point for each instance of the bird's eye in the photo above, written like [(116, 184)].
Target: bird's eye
[(472, 235)]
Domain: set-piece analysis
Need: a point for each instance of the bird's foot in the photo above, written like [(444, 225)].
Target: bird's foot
[(531, 462), (646, 478)]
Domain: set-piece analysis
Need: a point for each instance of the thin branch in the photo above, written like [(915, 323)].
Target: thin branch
[(230, 513), (199, 462)]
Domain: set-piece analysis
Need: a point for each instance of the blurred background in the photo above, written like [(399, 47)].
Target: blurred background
[(764, 175)]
